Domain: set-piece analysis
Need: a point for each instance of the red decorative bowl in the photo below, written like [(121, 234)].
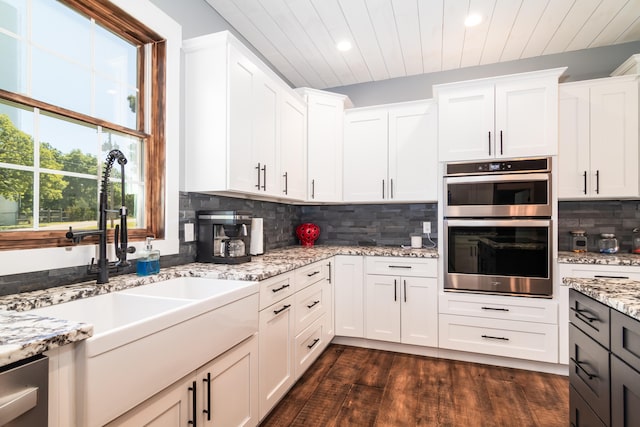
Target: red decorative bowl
[(307, 233)]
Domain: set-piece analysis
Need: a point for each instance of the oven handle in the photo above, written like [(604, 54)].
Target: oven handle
[(506, 177), (497, 222)]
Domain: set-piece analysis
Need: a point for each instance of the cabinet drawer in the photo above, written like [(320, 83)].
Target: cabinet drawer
[(276, 288), (625, 394), (625, 338), (589, 370), (522, 340), (500, 307), (401, 266), (591, 316), (310, 303), (311, 274), (599, 271), (309, 345), (580, 414)]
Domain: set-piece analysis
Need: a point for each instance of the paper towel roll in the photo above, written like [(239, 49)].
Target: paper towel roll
[(257, 237)]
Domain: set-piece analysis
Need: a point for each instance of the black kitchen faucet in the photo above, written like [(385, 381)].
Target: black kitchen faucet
[(102, 267)]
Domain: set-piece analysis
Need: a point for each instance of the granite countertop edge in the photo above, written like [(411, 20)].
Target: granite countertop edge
[(622, 295), (23, 334), (624, 259)]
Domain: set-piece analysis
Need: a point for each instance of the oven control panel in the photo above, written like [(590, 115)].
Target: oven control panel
[(507, 166)]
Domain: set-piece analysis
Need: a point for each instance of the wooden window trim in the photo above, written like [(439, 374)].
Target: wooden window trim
[(115, 19)]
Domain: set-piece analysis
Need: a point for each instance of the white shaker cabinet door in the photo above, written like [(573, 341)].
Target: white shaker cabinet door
[(293, 153), (413, 152), (419, 313), (574, 179), (614, 139), (349, 296), (465, 123), (382, 307), (365, 155)]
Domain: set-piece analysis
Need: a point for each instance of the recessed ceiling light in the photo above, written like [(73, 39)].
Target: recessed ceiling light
[(344, 45), (472, 20)]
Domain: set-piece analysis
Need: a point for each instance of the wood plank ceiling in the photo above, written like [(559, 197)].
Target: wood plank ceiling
[(396, 38)]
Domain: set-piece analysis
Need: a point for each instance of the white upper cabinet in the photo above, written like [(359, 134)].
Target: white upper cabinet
[(241, 121), (293, 153), (390, 153), (598, 136), (510, 116), (325, 124)]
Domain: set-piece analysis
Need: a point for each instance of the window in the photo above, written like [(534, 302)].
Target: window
[(69, 93)]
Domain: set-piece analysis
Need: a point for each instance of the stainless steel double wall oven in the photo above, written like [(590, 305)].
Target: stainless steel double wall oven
[(497, 227)]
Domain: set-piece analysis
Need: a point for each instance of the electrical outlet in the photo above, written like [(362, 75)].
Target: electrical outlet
[(426, 227), (188, 232)]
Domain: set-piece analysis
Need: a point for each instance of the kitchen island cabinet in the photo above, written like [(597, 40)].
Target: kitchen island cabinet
[(510, 116)]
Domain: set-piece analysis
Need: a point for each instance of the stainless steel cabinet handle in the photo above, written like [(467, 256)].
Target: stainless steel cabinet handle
[(286, 183), (208, 410), (391, 187), (313, 188), (395, 290), (494, 308), (501, 143), (383, 188), (598, 276), (399, 266), (264, 172), (194, 407), (584, 178), (489, 142), (329, 277), (258, 169), (405, 290), (597, 181), (588, 317)]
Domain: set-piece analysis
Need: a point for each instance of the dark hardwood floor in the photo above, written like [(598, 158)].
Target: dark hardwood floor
[(351, 386)]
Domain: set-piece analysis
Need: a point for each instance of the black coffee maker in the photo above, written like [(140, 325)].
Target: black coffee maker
[(224, 237)]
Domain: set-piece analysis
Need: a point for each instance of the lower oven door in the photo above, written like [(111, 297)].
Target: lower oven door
[(506, 256)]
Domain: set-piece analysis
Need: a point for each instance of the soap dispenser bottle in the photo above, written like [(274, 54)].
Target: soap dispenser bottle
[(148, 260)]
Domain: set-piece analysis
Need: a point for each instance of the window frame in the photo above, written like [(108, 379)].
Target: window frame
[(150, 124)]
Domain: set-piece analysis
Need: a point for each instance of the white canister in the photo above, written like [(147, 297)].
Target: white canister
[(416, 242)]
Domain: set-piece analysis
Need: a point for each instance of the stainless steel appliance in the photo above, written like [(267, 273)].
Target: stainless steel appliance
[(24, 394), (497, 227), (224, 237)]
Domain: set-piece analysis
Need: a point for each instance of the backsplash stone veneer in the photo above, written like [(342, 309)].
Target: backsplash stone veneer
[(612, 216)]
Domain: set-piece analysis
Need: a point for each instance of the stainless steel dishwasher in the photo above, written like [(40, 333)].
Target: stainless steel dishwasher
[(24, 394)]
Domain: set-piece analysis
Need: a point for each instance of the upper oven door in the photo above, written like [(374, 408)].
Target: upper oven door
[(508, 195)]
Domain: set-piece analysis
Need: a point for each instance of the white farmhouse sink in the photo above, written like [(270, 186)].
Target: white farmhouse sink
[(148, 337)]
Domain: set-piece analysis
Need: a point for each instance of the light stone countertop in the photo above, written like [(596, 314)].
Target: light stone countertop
[(23, 334), (620, 294), (566, 257)]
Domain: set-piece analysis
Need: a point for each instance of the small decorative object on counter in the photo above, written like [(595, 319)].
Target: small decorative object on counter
[(578, 241), (148, 261), (636, 241), (308, 233), (608, 243)]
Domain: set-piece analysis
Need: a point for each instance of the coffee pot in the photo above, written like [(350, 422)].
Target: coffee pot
[(224, 237)]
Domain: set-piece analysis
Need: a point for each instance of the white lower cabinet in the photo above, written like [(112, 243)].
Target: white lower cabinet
[(524, 328), (349, 296), (221, 393), (276, 371), (401, 308)]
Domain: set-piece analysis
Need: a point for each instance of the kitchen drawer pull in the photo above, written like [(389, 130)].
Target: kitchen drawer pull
[(208, 410), (313, 343), (194, 394), (598, 276), (280, 288), (313, 304), (284, 307), (313, 274), (495, 308), (399, 266), (495, 338), (587, 373), (582, 316)]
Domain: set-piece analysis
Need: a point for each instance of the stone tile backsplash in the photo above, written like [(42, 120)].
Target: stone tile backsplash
[(611, 216)]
